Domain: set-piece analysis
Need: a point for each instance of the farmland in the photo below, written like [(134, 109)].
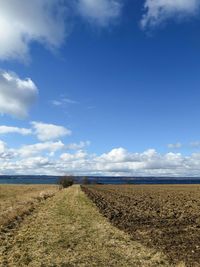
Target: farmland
[(163, 217), (68, 230)]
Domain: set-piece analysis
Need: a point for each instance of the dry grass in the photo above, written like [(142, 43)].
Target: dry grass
[(15, 200), (69, 231)]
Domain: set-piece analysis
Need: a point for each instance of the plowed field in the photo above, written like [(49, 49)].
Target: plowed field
[(164, 217)]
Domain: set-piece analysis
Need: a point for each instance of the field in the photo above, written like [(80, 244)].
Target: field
[(17, 200), (67, 230), (163, 217), (155, 226)]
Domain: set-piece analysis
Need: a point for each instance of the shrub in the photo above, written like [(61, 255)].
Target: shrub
[(85, 180), (66, 181)]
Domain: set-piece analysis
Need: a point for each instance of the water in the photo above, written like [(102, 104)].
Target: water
[(29, 179)]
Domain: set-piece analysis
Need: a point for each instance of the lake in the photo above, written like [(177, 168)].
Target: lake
[(43, 179)]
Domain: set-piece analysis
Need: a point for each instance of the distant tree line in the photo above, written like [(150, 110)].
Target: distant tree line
[(86, 180), (68, 180)]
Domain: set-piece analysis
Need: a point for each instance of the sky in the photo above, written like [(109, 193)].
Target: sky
[(100, 87)]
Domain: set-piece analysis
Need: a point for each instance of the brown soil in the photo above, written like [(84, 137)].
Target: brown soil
[(165, 217)]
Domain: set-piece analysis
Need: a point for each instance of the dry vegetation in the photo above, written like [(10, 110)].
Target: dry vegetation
[(17, 200), (69, 231), (166, 217)]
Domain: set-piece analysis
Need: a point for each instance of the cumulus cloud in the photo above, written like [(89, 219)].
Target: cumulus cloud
[(175, 146), (5, 152), (31, 150), (45, 131), (34, 162), (27, 166), (78, 146), (16, 95), (36, 159), (148, 163), (121, 162), (116, 155), (158, 11), (8, 129), (22, 22), (100, 12), (79, 155)]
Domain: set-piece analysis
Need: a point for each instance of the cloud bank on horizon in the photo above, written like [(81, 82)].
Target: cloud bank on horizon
[(19, 28), (40, 158)]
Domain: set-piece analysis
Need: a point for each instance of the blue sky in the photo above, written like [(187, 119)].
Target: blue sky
[(100, 87)]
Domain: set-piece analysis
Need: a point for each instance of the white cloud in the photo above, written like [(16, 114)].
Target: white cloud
[(36, 159), (175, 146), (45, 132), (63, 102), (158, 11), (16, 95), (8, 129), (56, 103), (78, 146), (5, 152), (22, 22), (100, 12), (79, 155), (121, 162), (116, 155), (148, 163), (31, 150), (34, 162), (27, 166)]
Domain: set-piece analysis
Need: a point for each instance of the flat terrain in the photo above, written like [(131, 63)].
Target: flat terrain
[(15, 200), (68, 230), (163, 217)]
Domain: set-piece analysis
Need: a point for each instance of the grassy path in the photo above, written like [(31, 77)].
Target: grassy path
[(69, 231)]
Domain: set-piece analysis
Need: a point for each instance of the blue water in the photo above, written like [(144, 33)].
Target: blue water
[(101, 180), (28, 179)]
